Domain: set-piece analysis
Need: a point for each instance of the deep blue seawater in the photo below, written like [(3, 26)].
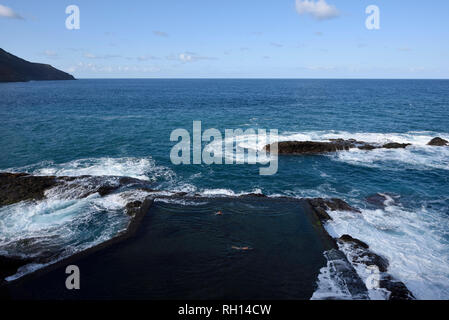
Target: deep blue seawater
[(123, 127)]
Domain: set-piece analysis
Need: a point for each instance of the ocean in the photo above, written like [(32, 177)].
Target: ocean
[(122, 128)]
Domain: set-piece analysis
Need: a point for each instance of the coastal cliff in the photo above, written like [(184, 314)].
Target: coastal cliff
[(15, 69)]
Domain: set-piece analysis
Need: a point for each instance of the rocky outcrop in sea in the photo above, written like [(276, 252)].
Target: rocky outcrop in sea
[(334, 145)]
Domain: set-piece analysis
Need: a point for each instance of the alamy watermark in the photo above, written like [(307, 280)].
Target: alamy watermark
[(72, 22), (236, 146), (372, 22), (72, 282)]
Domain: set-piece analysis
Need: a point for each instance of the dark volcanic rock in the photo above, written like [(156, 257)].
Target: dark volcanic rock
[(320, 207), (395, 145), (133, 207), (37, 249), (310, 147), (359, 253), (347, 238), (15, 187), (379, 199), (253, 195), (398, 290), (130, 181), (438, 142), (106, 189), (376, 199), (367, 147), (344, 271), (335, 204), (15, 69)]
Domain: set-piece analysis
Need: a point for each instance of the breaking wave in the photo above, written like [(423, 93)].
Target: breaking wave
[(139, 168), (415, 242)]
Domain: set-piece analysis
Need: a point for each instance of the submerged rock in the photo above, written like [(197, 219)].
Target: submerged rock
[(381, 200), (377, 200), (395, 145), (438, 142)]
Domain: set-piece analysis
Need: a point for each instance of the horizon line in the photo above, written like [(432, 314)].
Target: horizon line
[(267, 78)]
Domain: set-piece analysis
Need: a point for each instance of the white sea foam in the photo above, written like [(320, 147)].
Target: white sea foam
[(369, 274), (227, 192), (246, 148), (139, 168), (417, 157), (414, 242), (330, 286), (181, 201), (66, 224)]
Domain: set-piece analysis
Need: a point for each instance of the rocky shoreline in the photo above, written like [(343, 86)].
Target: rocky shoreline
[(346, 251), (334, 145)]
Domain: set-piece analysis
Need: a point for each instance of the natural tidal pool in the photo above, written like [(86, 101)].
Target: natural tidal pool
[(251, 249)]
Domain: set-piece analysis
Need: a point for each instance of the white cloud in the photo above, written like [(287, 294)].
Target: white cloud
[(50, 54), (318, 9), (82, 67), (146, 58), (105, 56), (277, 45), (6, 12), (190, 57), (185, 57)]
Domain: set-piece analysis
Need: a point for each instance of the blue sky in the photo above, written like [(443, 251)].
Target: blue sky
[(232, 38)]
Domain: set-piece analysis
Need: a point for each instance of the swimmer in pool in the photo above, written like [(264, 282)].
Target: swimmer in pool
[(241, 248)]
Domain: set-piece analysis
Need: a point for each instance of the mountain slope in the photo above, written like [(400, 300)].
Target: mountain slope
[(15, 69)]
